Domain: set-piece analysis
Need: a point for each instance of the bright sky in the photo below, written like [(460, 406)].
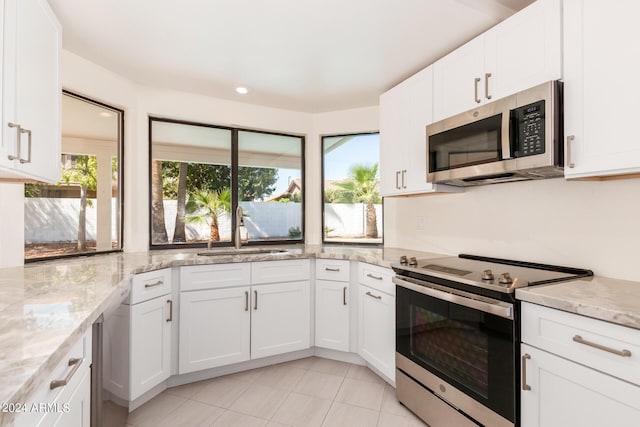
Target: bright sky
[(361, 149)]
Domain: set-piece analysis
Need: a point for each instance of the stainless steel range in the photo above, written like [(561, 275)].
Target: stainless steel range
[(458, 336)]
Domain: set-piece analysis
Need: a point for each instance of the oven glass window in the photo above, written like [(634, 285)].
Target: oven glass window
[(468, 145), (453, 345)]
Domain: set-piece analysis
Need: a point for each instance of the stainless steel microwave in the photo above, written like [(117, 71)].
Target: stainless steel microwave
[(512, 139)]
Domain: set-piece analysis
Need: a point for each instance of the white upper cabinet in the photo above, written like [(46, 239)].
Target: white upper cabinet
[(405, 111), (520, 52), (601, 67), (31, 92)]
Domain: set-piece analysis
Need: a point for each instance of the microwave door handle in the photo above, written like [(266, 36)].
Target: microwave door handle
[(506, 136)]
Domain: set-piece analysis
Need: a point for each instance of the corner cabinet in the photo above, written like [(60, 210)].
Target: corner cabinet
[(31, 92), (376, 323), (405, 111), (520, 52), (601, 88), (578, 371)]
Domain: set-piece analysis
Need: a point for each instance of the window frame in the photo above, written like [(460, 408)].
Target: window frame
[(120, 205), (322, 190), (234, 185)]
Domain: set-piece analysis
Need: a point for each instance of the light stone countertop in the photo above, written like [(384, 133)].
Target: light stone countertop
[(612, 300), (46, 307)]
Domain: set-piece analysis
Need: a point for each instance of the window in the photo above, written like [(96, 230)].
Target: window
[(81, 214), (352, 208), (201, 173)]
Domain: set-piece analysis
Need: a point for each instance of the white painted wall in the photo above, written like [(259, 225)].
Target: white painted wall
[(587, 224)]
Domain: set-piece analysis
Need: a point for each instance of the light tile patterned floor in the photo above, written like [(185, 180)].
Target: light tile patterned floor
[(311, 392)]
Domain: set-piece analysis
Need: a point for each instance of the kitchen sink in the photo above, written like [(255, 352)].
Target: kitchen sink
[(242, 251)]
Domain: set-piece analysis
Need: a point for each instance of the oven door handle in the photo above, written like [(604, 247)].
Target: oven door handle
[(487, 305)]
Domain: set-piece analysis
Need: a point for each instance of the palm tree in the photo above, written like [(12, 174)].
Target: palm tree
[(206, 206), (362, 186)]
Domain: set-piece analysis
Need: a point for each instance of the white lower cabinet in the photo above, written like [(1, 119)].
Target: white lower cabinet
[(332, 315), (65, 398), (565, 393), (376, 323), (232, 313), (280, 318), (214, 328), (578, 371), (137, 337)]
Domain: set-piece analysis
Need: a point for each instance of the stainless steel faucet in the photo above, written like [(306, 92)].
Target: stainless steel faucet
[(239, 223)]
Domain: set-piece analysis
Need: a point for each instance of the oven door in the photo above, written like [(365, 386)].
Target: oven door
[(466, 341)]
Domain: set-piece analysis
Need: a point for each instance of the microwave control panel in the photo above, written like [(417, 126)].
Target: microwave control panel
[(529, 129)]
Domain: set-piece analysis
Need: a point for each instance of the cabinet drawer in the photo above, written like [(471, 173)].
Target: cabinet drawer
[(74, 374), (216, 276), (378, 278), (280, 271), (332, 269), (584, 340), (145, 286)]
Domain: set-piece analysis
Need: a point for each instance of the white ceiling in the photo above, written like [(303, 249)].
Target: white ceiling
[(303, 55)]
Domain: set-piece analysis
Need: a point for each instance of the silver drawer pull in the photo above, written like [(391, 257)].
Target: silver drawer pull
[(374, 277), (76, 362), (28, 159), (170, 318), (331, 269), (374, 296), (151, 285), (623, 352), (344, 296), (525, 386)]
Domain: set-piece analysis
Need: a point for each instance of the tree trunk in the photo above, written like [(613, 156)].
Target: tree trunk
[(214, 235), (372, 227), (179, 235), (82, 220), (158, 228)]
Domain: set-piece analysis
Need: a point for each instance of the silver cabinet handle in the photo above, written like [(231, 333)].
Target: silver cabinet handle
[(151, 285), (170, 319), (246, 300), (623, 352), (75, 362), (397, 176), (525, 386), (570, 140), (404, 171), (486, 85), (344, 296), (475, 85), (374, 296), (374, 277), (18, 137), (255, 301), (331, 269), (28, 159)]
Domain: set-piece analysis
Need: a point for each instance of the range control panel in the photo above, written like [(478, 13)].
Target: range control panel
[(528, 122)]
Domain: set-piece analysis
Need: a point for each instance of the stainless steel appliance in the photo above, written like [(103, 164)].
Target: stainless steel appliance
[(515, 138), (458, 336)]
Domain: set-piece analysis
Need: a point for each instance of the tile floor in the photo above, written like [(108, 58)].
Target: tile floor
[(306, 392)]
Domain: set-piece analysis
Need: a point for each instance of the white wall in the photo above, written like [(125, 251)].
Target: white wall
[(587, 224)]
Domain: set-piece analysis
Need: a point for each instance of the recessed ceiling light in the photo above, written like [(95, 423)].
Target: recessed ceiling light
[(242, 90), (105, 114)]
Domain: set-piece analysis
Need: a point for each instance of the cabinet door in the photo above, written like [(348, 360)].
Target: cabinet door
[(280, 318), (32, 73), (601, 88), (394, 137), (78, 404), (150, 345), (454, 80), (332, 315), (214, 328), (376, 330), (523, 51), (564, 393), (420, 115)]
